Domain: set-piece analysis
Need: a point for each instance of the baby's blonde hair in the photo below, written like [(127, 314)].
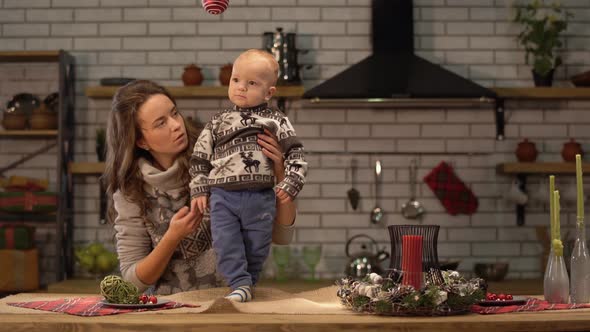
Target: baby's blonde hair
[(265, 56)]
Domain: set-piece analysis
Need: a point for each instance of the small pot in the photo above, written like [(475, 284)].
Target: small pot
[(23, 103), (43, 121), (491, 271), (192, 75), (14, 121), (546, 80), (582, 79), (51, 102), (225, 74), (570, 150), (526, 151)]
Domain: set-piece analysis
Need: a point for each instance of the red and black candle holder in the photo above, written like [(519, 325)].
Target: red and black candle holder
[(414, 255)]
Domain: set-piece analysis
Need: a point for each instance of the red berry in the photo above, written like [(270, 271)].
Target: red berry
[(509, 297), (153, 299), (501, 297), (143, 298)]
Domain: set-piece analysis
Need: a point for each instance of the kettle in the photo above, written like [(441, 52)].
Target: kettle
[(365, 262), (282, 46)]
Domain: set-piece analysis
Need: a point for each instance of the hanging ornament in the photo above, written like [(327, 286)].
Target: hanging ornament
[(215, 7)]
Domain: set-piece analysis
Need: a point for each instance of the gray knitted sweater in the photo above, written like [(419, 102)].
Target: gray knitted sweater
[(192, 265), (228, 156)]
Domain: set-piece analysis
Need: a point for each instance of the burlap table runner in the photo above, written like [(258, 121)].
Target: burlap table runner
[(267, 301)]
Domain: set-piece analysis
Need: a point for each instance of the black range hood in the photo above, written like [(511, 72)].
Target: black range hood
[(393, 75)]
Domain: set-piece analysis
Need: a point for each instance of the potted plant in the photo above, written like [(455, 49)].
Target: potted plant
[(542, 26)]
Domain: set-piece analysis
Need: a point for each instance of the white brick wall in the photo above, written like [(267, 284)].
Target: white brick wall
[(155, 39)]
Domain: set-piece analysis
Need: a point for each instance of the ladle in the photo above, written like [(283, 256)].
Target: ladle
[(353, 193), (412, 209), (377, 213)]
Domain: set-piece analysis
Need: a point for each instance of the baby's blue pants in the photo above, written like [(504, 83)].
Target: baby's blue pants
[(241, 227)]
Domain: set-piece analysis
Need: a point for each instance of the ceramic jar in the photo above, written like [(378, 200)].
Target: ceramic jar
[(192, 75), (526, 151), (43, 120), (570, 150), (14, 121), (225, 74)]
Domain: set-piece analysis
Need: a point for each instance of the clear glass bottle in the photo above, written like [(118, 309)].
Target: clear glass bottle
[(556, 285), (580, 267)]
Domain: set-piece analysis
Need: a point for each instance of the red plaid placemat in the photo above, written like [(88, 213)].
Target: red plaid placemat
[(89, 306), (532, 304)]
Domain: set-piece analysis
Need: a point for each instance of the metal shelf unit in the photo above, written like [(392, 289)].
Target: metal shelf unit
[(64, 140)]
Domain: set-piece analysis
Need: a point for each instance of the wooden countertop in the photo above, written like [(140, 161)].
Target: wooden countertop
[(573, 320), (569, 320), (514, 287)]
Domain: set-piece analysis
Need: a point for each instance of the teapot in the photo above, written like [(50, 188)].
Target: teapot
[(365, 262)]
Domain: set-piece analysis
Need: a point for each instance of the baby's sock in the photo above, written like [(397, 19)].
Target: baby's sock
[(240, 294)]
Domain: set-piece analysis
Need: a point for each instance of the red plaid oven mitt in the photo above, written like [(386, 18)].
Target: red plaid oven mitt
[(450, 190)]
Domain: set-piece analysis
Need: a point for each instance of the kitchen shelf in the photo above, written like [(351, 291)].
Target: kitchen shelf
[(63, 141), (297, 92), (86, 168), (522, 170), (28, 133), (532, 93), (194, 91), (540, 168), (31, 223), (29, 56), (542, 93)]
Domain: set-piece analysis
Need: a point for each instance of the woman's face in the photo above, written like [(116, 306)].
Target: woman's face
[(162, 127)]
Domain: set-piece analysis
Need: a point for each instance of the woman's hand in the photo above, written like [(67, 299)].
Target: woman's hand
[(271, 148), (184, 222), (283, 197)]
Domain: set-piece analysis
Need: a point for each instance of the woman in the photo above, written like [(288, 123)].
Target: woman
[(160, 241)]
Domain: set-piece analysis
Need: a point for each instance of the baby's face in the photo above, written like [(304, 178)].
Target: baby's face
[(251, 82)]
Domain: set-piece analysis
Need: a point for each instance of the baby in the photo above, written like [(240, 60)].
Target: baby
[(228, 165)]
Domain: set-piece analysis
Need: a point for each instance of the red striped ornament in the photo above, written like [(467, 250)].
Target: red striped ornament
[(215, 7)]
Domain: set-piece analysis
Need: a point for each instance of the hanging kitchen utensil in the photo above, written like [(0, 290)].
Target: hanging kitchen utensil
[(353, 194), (412, 209), (377, 212), (102, 211)]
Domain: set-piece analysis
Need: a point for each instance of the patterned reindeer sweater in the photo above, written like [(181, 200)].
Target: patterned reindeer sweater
[(228, 156)]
